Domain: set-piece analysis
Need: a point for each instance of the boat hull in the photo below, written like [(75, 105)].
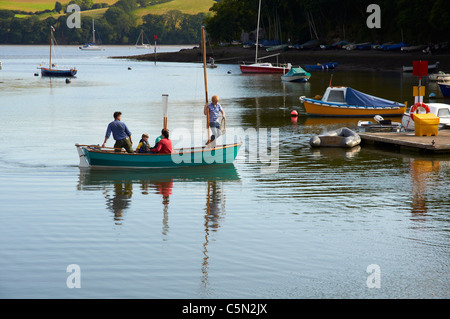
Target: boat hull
[(58, 73), (343, 137), (263, 69), (90, 47), (445, 89), (295, 78), (324, 66), (316, 108), (94, 156)]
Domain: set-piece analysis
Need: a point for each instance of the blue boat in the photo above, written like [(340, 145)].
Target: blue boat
[(365, 46), (58, 72), (445, 89), (393, 47), (321, 66), (52, 70)]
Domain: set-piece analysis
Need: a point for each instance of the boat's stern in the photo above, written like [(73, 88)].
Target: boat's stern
[(82, 153)]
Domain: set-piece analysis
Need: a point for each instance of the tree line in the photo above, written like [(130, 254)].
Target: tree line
[(413, 21), (297, 21)]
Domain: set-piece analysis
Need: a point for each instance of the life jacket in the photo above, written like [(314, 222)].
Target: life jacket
[(145, 148)]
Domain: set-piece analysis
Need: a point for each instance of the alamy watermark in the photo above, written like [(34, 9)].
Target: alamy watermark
[(374, 19), (74, 279), (258, 146), (374, 278), (74, 20)]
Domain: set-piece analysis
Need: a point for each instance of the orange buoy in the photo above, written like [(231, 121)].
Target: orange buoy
[(416, 106)]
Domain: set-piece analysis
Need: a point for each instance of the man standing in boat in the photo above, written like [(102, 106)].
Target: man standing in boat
[(121, 134), (214, 109)]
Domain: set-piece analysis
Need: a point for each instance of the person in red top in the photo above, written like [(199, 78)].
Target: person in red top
[(164, 146)]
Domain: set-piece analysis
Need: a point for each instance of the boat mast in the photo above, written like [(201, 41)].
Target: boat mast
[(93, 32), (257, 32), (51, 41), (206, 81)]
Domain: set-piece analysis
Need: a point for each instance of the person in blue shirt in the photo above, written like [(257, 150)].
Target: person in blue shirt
[(120, 133), (214, 109)]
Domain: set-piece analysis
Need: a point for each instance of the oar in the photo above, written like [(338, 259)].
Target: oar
[(206, 82)]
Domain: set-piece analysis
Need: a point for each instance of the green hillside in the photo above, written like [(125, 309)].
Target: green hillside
[(185, 6), (34, 6), (39, 5), (116, 21)]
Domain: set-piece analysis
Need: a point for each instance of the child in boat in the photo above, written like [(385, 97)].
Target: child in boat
[(143, 146), (159, 138), (164, 146)]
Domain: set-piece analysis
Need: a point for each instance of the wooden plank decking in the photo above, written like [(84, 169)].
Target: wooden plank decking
[(439, 144)]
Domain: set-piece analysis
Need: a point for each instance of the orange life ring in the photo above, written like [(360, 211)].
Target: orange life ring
[(416, 106)]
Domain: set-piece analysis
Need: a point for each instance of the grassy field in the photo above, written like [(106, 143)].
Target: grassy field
[(185, 6), (38, 5), (96, 13)]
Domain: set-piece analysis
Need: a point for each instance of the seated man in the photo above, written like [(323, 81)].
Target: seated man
[(143, 146), (164, 146)]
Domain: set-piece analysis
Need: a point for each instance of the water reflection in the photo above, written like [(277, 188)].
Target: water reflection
[(214, 213), (117, 185), (120, 200), (421, 173), (336, 152), (427, 186)]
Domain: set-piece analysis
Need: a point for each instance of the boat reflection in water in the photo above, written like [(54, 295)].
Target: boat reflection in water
[(125, 183), (336, 152)]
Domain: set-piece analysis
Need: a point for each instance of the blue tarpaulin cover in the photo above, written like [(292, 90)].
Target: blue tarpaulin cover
[(357, 98)]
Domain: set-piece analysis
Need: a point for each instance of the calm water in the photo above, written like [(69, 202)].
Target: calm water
[(308, 230)]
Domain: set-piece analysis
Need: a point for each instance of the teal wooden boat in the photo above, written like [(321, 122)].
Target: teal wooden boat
[(106, 157)]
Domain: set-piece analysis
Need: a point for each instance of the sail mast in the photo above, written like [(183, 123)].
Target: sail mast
[(51, 41), (257, 32), (93, 32), (206, 81)]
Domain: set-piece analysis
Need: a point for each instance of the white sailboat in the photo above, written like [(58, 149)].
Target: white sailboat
[(142, 45), (91, 46)]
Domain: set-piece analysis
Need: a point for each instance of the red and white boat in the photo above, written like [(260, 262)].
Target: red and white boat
[(264, 67)]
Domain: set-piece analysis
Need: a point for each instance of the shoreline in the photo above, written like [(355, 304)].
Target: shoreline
[(363, 60)]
